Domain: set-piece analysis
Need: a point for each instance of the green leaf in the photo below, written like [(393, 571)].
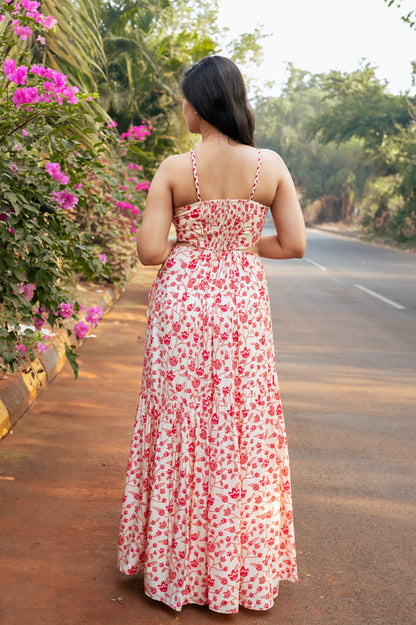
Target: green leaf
[(8, 357), (72, 358)]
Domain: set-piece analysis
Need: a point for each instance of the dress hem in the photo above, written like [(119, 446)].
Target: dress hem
[(156, 597)]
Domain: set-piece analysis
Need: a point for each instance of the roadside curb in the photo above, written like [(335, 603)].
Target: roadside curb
[(359, 236), (18, 392), (350, 234)]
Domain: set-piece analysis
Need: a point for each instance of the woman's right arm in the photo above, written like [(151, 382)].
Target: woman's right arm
[(153, 245), (290, 238)]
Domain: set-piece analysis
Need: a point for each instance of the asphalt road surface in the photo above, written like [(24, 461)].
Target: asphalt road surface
[(345, 335)]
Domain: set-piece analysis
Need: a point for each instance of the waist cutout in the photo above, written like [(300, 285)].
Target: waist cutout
[(244, 250)]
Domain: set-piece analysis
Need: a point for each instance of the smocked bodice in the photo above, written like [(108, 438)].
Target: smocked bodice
[(220, 225)]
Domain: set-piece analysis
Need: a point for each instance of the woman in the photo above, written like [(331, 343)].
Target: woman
[(207, 507)]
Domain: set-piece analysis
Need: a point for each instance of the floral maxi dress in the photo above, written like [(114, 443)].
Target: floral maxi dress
[(207, 511)]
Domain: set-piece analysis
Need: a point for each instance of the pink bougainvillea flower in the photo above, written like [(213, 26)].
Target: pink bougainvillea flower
[(26, 95), (81, 330), (56, 89), (35, 15), (94, 315), (41, 40), (30, 5), (42, 348), (57, 81), (49, 22), (123, 206), (20, 75), (17, 146), (27, 290), (19, 347), (136, 133), (103, 258), (69, 93), (38, 323), (2, 18), (17, 75), (142, 186), (9, 66), (66, 200), (14, 168), (39, 70), (24, 32), (66, 310), (78, 185), (54, 170), (24, 132)]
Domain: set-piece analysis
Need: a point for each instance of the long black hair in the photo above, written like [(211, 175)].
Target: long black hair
[(216, 90)]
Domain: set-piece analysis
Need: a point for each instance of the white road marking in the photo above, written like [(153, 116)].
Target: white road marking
[(312, 262), (381, 297)]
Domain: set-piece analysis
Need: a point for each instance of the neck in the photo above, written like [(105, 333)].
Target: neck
[(210, 134)]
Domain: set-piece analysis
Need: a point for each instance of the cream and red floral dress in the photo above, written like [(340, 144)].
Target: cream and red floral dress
[(207, 511)]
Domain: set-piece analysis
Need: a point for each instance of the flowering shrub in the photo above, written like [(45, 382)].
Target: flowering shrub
[(54, 181), (136, 132)]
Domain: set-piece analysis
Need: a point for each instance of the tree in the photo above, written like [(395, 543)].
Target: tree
[(334, 175), (409, 17), (359, 106)]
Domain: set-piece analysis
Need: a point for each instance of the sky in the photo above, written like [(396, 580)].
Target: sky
[(320, 35)]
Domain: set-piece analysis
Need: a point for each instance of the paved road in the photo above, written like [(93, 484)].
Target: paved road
[(347, 368), (346, 363), (386, 274)]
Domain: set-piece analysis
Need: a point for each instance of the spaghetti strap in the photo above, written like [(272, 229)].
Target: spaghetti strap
[(257, 175), (198, 195)]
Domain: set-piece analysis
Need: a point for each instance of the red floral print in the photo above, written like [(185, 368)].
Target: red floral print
[(207, 512)]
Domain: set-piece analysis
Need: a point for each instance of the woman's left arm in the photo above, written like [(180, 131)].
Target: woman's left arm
[(153, 245)]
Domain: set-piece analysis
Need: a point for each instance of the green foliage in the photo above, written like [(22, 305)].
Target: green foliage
[(409, 17), (404, 220), (133, 52), (112, 231), (381, 202), (359, 106), (319, 170), (147, 46), (43, 241), (351, 146), (247, 49)]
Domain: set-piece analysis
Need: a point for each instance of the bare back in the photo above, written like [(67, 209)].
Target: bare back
[(226, 171), (223, 173)]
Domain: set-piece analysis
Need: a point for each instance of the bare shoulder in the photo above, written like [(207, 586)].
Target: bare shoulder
[(271, 158), (175, 165), (274, 165)]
